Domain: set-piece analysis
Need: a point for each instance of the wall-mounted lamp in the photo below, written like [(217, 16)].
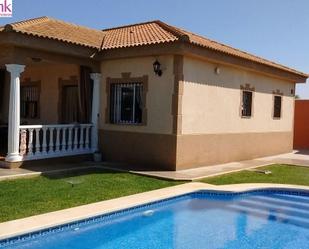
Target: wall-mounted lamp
[(157, 68), (217, 70)]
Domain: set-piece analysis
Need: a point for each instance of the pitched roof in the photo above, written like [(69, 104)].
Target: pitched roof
[(141, 34), (136, 35), (46, 27), (160, 32)]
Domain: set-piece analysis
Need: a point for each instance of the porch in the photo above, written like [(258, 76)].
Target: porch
[(48, 109)]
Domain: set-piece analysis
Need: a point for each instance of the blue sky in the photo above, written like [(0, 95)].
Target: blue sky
[(274, 29)]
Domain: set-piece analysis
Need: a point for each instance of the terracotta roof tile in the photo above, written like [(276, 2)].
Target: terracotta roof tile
[(136, 35), (47, 27), (160, 32), (141, 34)]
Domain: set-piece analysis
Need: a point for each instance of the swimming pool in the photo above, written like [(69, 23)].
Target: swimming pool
[(253, 219)]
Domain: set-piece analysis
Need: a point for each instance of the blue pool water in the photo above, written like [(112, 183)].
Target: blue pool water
[(258, 219)]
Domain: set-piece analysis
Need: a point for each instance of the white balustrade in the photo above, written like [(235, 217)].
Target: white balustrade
[(81, 139), (75, 139), (51, 140), (57, 140), (30, 142), (87, 142), (70, 139), (37, 141), (46, 141), (44, 144)]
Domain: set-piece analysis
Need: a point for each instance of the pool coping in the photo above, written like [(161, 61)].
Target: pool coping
[(31, 224)]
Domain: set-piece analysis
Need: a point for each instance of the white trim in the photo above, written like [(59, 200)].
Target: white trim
[(96, 77)]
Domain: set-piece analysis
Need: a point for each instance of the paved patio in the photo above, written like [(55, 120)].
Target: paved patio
[(40, 169), (296, 157)]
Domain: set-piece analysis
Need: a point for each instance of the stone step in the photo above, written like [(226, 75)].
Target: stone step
[(3, 163)]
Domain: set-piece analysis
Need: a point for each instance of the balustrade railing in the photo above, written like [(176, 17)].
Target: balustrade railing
[(46, 141)]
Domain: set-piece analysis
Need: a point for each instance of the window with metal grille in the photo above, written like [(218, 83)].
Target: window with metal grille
[(246, 104), (277, 106), (126, 103), (29, 102)]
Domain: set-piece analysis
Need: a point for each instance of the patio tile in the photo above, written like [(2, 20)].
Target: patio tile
[(296, 158)]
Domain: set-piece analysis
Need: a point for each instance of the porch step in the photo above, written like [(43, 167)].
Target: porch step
[(3, 164)]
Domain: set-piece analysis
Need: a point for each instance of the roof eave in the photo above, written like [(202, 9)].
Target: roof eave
[(9, 29), (17, 39), (221, 57), (189, 49)]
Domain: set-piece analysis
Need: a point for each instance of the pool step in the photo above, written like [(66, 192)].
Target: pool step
[(297, 219), (276, 209), (297, 202)]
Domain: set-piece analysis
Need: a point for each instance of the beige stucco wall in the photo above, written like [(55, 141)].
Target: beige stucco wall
[(49, 75), (158, 98), (209, 149), (211, 102), (213, 130)]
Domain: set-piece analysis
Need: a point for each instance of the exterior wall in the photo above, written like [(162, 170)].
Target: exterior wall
[(216, 101), (48, 75), (159, 94), (213, 130), (208, 149), (148, 151), (141, 144), (301, 124)]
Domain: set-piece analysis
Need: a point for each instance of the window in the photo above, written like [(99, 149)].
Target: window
[(277, 106), (246, 110), (126, 103), (29, 102)]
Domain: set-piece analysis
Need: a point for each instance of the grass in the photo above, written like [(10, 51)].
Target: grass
[(30, 196), (281, 173), (25, 197)]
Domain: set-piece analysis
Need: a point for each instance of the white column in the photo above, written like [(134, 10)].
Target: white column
[(14, 112), (96, 77)]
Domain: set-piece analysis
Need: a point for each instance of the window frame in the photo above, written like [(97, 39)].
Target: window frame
[(242, 103), (126, 79), (274, 106), (117, 96), (28, 83)]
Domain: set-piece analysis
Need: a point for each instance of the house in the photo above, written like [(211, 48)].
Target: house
[(146, 94), (301, 124)]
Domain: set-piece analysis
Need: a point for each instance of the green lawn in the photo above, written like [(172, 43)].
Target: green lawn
[(30, 196), (25, 197), (285, 174)]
